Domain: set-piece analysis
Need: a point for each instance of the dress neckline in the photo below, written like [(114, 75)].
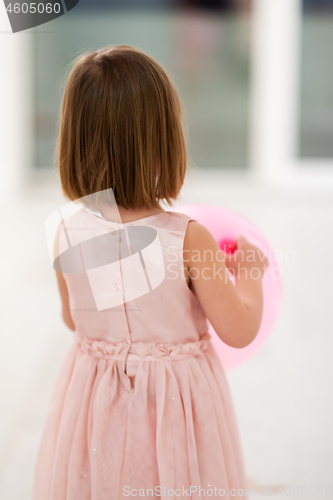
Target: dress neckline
[(96, 213)]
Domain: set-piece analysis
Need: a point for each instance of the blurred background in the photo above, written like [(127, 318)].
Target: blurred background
[(256, 81)]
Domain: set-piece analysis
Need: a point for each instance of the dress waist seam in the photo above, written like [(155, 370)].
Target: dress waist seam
[(137, 351)]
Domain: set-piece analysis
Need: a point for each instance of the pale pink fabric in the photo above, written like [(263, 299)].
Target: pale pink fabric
[(142, 399)]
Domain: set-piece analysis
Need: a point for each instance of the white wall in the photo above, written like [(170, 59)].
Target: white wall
[(15, 106)]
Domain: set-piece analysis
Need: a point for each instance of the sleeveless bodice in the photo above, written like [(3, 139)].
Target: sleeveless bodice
[(139, 302)]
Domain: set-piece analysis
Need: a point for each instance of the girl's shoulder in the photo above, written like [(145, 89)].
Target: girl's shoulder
[(179, 220), (194, 231)]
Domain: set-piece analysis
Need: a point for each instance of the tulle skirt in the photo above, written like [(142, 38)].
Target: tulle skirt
[(150, 423)]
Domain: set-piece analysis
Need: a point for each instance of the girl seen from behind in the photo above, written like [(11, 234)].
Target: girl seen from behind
[(141, 406)]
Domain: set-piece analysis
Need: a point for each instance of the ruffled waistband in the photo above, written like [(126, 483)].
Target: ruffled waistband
[(141, 350)]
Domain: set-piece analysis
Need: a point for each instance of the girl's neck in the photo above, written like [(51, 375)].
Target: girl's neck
[(129, 215)]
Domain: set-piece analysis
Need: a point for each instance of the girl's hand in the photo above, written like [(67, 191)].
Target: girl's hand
[(246, 258)]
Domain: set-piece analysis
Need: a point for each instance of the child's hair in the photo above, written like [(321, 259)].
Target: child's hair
[(121, 129)]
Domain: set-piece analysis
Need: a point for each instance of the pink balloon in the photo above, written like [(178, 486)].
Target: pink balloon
[(226, 226)]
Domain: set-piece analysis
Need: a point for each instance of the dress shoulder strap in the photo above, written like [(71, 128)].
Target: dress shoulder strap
[(179, 221)]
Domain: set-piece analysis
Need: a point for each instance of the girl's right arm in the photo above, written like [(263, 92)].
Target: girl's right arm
[(235, 312)]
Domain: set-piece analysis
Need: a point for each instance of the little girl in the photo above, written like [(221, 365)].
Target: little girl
[(142, 405)]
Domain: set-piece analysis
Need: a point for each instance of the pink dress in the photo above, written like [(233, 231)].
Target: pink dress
[(142, 405)]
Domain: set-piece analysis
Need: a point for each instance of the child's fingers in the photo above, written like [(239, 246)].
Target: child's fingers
[(232, 258), (240, 242)]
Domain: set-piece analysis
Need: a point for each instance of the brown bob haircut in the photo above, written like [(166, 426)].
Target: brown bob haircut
[(121, 128)]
